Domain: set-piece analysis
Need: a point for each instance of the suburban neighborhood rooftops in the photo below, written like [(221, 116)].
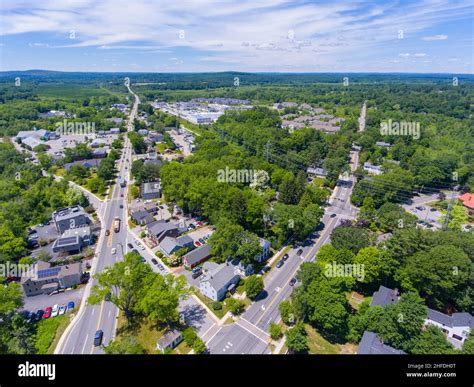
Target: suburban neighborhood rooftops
[(168, 244), (220, 276), (463, 320), (168, 338), (161, 226), (151, 187), (370, 344), (384, 296), (455, 320), (467, 199), (196, 255), (44, 271), (440, 318), (68, 213)]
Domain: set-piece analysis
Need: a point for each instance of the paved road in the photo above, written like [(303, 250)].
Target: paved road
[(79, 336), (249, 334)]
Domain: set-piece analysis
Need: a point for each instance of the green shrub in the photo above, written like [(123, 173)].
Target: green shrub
[(216, 305)]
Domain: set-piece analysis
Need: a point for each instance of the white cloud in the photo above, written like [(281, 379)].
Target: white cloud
[(250, 34), (435, 37)]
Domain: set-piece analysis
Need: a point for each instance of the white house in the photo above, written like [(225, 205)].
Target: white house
[(373, 169), (457, 326), (217, 280), (265, 250)]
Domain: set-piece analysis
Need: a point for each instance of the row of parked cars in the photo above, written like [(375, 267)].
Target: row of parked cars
[(195, 225), (201, 241), (48, 312)]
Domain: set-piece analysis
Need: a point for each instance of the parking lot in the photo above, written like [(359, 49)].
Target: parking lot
[(42, 301)]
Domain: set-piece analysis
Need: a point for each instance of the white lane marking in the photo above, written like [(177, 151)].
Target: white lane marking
[(85, 343), (249, 331)]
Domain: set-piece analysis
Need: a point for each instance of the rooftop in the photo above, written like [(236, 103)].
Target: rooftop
[(371, 344)]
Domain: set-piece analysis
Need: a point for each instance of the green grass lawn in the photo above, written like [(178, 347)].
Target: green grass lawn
[(318, 345), (145, 331), (219, 313), (49, 332)]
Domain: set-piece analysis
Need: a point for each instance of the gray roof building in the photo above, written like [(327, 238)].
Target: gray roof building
[(142, 217), (70, 217), (151, 190), (385, 296), (196, 256), (169, 340), (370, 344), (215, 283), (169, 245)]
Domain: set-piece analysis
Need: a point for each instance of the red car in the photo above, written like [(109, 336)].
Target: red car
[(197, 243), (199, 223), (47, 312)]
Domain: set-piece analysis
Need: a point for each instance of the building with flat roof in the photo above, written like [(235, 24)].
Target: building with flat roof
[(73, 240), (151, 190), (70, 217)]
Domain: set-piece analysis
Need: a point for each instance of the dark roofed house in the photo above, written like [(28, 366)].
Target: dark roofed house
[(160, 229), (169, 340), (142, 217), (91, 163), (170, 245), (385, 296), (197, 256), (370, 344)]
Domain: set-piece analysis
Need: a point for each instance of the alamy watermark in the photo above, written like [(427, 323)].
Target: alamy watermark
[(229, 175), (9, 269), (66, 127), (335, 269), (400, 128)]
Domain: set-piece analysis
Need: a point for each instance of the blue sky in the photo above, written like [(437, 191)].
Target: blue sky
[(258, 35)]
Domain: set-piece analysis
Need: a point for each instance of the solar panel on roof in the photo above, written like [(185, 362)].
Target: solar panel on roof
[(67, 241), (48, 272)]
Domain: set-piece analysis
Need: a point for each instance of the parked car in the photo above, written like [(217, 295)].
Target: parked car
[(333, 215), (432, 209), (62, 309), (130, 246), (154, 261), (55, 310), (285, 257), (197, 271), (161, 267), (99, 335), (292, 281), (121, 206), (70, 306), (299, 252), (202, 240), (114, 251), (107, 232), (47, 312), (197, 243), (280, 264), (39, 314)]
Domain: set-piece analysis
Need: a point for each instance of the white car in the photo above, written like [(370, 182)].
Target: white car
[(55, 310), (142, 247), (114, 251), (62, 309)]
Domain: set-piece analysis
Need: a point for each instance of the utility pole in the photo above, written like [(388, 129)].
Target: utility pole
[(450, 207)]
